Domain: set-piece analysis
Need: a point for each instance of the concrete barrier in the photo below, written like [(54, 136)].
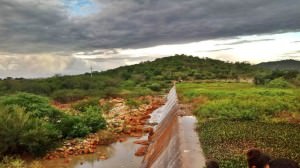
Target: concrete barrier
[(174, 143)]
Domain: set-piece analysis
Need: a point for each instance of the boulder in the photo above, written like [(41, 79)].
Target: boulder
[(142, 142), (141, 151)]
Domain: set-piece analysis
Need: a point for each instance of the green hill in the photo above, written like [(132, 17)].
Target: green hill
[(146, 76), (281, 65)]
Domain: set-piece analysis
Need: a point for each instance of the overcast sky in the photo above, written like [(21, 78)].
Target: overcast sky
[(40, 38)]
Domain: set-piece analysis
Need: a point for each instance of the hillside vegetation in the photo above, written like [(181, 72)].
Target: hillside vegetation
[(145, 77), (281, 65)]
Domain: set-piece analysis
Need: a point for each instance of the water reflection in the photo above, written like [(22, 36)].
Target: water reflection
[(120, 155)]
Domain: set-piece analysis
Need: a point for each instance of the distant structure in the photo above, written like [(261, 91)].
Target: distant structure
[(91, 71)]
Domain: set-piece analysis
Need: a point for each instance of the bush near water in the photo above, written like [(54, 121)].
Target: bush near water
[(29, 124)]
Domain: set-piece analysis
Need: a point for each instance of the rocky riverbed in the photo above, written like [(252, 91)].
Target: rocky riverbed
[(123, 122)]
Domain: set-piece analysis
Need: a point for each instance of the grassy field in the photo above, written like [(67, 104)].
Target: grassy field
[(234, 117)]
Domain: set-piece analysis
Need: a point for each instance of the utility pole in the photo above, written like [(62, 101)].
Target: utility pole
[(91, 71)]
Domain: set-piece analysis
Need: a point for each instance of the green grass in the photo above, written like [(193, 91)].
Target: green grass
[(240, 101), (235, 117)]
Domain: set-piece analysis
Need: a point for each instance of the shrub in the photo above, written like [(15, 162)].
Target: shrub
[(35, 164), (72, 126), (279, 83), (155, 87), (92, 117), (82, 105), (110, 91), (66, 96), (129, 83), (21, 133), (29, 124), (16, 162), (36, 106), (12, 162), (132, 103), (90, 120)]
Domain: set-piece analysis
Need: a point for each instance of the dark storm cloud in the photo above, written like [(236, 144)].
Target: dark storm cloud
[(30, 26)]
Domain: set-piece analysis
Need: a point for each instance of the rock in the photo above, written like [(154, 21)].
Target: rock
[(102, 102), (68, 144), (67, 160), (91, 150), (122, 139), (150, 139), (86, 151), (65, 155), (103, 157), (139, 128), (141, 151), (146, 117), (149, 130), (142, 142), (136, 134), (127, 129), (60, 149), (70, 152)]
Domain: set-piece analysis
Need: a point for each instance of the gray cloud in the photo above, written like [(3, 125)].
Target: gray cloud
[(121, 58), (246, 41), (293, 52), (99, 52), (33, 26), (222, 49)]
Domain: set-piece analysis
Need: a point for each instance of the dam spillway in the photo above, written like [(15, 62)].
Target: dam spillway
[(175, 143)]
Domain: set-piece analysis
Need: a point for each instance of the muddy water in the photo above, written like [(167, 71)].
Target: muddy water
[(120, 155)]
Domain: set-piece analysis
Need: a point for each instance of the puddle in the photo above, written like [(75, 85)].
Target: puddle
[(120, 155)]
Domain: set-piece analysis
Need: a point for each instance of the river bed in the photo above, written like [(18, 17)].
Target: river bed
[(120, 155)]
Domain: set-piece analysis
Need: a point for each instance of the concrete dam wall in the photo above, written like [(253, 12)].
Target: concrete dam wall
[(175, 143)]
